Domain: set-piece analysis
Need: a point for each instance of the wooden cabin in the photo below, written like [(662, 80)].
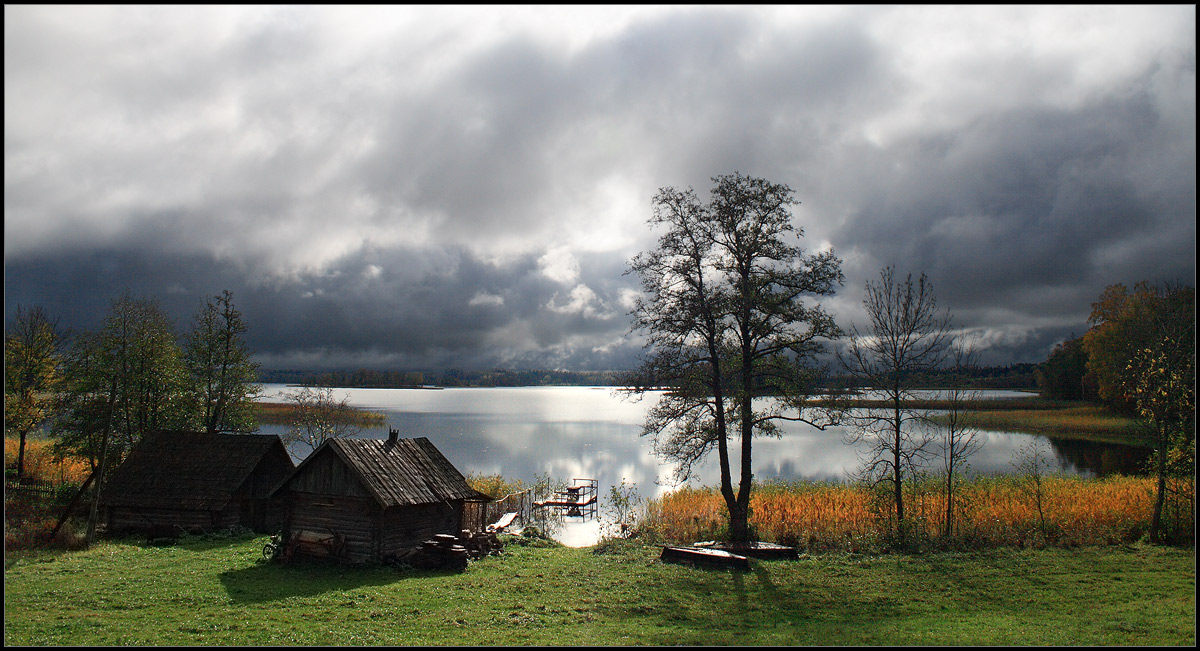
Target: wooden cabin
[(174, 481), (379, 498)]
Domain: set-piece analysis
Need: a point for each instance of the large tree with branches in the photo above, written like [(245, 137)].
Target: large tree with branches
[(733, 328)]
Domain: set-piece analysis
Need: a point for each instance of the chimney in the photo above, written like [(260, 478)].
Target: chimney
[(393, 434)]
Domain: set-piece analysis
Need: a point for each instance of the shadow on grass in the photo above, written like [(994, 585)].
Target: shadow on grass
[(268, 581), (786, 601)]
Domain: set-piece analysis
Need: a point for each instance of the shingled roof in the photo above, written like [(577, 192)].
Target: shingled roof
[(187, 470), (399, 472)]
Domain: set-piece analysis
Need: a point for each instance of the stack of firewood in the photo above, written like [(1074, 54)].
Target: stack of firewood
[(442, 552), (446, 551), (480, 544)]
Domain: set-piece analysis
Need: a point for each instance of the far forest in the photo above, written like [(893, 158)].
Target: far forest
[(1016, 376)]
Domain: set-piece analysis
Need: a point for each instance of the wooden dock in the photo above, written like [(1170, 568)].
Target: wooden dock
[(577, 500)]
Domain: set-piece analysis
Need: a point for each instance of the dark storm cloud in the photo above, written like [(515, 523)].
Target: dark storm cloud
[(418, 188), (380, 309), (1035, 211)]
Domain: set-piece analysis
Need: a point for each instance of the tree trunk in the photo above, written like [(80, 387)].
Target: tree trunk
[(897, 477), (739, 523), (21, 459), (1160, 498), (949, 502), (71, 505)]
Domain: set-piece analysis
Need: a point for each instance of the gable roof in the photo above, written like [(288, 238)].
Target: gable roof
[(188, 470), (398, 472)]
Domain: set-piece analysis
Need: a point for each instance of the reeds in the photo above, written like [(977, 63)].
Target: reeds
[(283, 413), (41, 464), (990, 511)]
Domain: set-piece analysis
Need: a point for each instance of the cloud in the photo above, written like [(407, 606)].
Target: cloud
[(581, 301), (559, 265), (441, 186)]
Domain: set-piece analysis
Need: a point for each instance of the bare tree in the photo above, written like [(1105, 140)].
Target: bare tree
[(907, 336), (318, 417), (731, 327), (960, 440), (1033, 464)]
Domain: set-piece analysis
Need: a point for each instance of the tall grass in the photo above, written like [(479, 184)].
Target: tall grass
[(29, 517), (41, 464), (282, 413), (992, 511)]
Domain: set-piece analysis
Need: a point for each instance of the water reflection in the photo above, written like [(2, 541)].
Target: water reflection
[(566, 432)]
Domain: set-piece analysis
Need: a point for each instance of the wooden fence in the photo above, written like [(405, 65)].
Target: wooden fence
[(44, 491), (478, 515)]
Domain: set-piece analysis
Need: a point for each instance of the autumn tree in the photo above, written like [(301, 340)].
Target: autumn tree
[(31, 375), (906, 336), (1160, 380), (733, 328), (220, 367), (1116, 334)]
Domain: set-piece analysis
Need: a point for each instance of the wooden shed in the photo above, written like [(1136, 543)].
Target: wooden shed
[(379, 498), (176, 481)]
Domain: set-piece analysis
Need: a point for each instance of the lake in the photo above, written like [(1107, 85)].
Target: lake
[(593, 432)]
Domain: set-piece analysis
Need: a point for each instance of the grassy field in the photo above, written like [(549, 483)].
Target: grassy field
[(219, 592)]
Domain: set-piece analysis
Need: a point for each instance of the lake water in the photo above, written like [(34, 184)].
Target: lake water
[(593, 432)]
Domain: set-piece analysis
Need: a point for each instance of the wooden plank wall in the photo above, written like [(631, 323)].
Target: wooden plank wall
[(405, 527), (127, 520), (327, 475), (352, 517)]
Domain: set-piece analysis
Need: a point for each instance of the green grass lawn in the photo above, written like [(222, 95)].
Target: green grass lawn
[(219, 592)]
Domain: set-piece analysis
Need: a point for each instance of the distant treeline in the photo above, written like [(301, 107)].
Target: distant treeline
[(376, 379), (1017, 376)]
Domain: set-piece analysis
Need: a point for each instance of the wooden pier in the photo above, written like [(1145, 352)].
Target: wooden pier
[(577, 500)]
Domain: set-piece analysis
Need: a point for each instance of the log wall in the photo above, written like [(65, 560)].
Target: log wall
[(405, 527), (354, 518), (136, 520)]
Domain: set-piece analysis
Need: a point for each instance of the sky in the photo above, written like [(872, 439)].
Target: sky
[(464, 186)]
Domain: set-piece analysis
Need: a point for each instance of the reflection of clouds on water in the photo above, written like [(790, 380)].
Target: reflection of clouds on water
[(568, 432)]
